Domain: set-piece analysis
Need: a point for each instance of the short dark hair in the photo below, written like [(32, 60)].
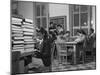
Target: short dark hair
[(51, 23), (81, 31), (43, 32), (59, 25), (62, 32), (92, 30), (67, 32)]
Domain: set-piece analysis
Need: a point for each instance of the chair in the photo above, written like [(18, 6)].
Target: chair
[(61, 53), (89, 50)]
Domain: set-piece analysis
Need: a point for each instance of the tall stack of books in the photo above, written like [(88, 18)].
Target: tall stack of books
[(17, 34), (23, 33), (29, 33)]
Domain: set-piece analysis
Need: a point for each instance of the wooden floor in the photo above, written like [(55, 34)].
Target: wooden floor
[(64, 67)]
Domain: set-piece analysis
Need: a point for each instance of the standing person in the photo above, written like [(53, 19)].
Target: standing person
[(46, 48), (67, 36), (91, 33), (81, 36), (59, 29), (81, 41), (52, 28), (92, 37), (92, 43)]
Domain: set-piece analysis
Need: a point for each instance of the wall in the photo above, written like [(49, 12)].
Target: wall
[(59, 10), (26, 9), (94, 17)]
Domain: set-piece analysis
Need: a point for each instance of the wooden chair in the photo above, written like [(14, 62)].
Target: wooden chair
[(61, 53), (88, 52)]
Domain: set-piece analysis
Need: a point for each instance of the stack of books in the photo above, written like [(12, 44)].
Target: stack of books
[(17, 34), (23, 32), (29, 33)]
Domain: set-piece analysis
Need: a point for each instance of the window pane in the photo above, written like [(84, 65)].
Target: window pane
[(84, 19), (43, 11), (60, 20), (54, 21), (75, 32), (76, 8), (37, 10), (44, 22), (84, 8), (76, 19), (38, 22)]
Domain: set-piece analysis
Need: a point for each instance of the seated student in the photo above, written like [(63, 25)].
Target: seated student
[(60, 37), (59, 29), (67, 36)]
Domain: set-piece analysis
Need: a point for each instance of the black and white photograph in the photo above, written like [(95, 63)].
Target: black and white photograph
[(52, 37)]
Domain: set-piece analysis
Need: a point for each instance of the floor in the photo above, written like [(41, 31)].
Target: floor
[(63, 67), (66, 67)]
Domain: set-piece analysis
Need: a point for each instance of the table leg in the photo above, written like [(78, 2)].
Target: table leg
[(74, 47)]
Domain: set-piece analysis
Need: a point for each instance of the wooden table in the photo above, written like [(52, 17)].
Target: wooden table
[(74, 46)]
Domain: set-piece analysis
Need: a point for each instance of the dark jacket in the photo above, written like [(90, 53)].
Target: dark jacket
[(46, 51)]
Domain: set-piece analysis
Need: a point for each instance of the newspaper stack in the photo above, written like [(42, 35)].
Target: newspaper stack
[(29, 33), (17, 34)]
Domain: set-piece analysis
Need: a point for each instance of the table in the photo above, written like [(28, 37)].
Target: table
[(74, 45)]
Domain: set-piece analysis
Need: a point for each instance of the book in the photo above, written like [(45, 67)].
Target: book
[(22, 45), (28, 20), (28, 26), (17, 35), (14, 23), (17, 29), (18, 47), (18, 42), (28, 33), (17, 32), (28, 30), (15, 26), (29, 49), (16, 19), (27, 37), (29, 45), (28, 40), (25, 23), (21, 50)]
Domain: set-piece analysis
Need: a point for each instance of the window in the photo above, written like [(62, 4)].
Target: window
[(59, 20), (41, 15), (14, 7), (81, 18)]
